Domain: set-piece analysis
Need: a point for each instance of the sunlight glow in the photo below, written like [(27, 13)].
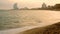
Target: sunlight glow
[(28, 3), (48, 2)]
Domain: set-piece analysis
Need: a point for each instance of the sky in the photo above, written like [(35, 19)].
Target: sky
[(8, 4)]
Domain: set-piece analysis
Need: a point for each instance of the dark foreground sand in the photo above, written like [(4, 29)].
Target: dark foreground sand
[(51, 29)]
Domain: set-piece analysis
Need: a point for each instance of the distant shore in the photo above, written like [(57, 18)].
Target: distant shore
[(33, 9)]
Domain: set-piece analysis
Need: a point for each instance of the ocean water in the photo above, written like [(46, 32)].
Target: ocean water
[(20, 18)]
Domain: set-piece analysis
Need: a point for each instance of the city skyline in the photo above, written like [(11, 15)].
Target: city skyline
[(7, 4)]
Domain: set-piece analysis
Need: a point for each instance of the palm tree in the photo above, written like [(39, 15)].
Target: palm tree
[(15, 6)]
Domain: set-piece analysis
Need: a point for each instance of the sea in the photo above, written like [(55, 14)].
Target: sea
[(20, 18)]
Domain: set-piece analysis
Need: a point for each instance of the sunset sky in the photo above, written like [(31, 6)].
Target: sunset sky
[(8, 4)]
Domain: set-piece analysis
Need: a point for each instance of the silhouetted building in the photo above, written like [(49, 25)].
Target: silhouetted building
[(57, 6), (15, 7), (44, 6)]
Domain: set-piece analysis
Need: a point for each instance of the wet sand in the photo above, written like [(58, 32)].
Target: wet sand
[(51, 29)]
